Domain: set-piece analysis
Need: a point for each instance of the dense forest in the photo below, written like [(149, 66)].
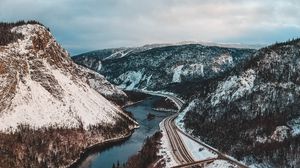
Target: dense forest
[(136, 96), (238, 119), (53, 146), (164, 103)]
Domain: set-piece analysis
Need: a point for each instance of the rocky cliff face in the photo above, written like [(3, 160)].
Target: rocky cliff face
[(42, 93), (156, 67), (254, 113)]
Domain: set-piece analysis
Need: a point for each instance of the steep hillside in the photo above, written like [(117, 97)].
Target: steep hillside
[(156, 67), (254, 113), (46, 100)]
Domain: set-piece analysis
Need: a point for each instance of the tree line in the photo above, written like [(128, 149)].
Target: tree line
[(6, 36)]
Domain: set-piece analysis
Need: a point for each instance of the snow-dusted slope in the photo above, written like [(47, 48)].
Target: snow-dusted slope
[(40, 86), (253, 112), (157, 67)]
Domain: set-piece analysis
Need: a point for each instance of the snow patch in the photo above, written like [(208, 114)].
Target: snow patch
[(165, 150), (194, 69), (177, 73), (35, 106), (198, 151), (78, 105), (118, 54), (179, 119), (147, 79), (281, 133), (99, 66), (216, 69), (188, 70), (261, 139), (220, 164), (130, 79), (221, 60), (28, 32), (295, 126), (234, 88), (224, 59)]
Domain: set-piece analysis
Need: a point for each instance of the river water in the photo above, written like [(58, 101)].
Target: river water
[(121, 153)]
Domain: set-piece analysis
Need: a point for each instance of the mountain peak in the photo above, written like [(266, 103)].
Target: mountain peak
[(42, 87)]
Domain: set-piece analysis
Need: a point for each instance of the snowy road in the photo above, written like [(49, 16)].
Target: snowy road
[(180, 143)]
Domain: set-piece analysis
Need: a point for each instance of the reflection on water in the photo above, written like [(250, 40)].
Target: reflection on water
[(130, 147)]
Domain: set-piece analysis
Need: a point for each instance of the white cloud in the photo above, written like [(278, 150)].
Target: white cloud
[(92, 24)]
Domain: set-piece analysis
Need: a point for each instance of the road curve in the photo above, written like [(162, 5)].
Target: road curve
[(179, 150)]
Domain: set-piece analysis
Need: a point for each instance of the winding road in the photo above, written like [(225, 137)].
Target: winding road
[(180, 152)]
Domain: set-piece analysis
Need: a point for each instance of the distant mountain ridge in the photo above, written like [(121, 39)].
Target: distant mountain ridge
[(244, 102), (110, 53), (155, 67)]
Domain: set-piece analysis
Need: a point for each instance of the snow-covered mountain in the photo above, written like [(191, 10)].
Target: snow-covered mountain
[(154, 67), (114, 53), (38, 73), (253, 112), (244, 102), (41, 88)]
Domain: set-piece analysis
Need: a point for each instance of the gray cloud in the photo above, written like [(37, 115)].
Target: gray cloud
[(84, 25)]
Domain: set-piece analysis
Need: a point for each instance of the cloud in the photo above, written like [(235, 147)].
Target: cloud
[(84, 25)]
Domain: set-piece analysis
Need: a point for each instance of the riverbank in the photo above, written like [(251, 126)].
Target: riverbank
[(133, 98), (165, 110), (152, 153), (147, 156), (100, 147), (105, 158)]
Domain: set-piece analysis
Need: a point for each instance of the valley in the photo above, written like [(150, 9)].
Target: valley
[(243, 94), (120, 153), (205, 105)]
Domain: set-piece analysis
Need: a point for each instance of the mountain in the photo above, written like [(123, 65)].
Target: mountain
[(253, 113), (244, 102), (47, 100), (155, 67)]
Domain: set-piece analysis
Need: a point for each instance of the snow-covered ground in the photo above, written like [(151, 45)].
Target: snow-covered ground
[(193, 148), (224, 59), (185, 70), (177, 73), (119, 54), (295, 125), (221, 60), (35, 106), (198, 151), (130, 79), (234, 88), (61, 98), (280, 133), (165, 150), (179, 119), (220, 164)]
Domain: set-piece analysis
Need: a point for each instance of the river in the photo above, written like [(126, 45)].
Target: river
[(121, 153)]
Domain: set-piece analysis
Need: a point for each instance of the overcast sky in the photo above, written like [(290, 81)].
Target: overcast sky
[(84, 25)]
